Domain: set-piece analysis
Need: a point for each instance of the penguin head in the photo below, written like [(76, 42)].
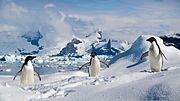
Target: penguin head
[(29, 58), (93, 54), (151, 39)]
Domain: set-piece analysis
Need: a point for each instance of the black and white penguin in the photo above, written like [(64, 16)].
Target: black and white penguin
[(155, 55), (94, 64), (27, 72)]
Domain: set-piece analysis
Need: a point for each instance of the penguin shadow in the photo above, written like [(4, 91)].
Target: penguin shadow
[(137, 63)]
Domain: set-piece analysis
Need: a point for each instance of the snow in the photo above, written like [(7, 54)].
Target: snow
[(11, 58), (127, 79)]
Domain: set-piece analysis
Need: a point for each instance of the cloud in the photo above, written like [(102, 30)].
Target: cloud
[(62, 31), (111, 22), (50, 5), (4, 28), (59, 22), (9, 10), (81, 17), (51, 22)]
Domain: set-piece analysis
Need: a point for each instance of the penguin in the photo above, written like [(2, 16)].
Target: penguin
[(155, 55), (27, 72), (94, 64)]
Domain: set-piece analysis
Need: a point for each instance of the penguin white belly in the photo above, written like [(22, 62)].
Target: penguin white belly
[(95, 67), (27, 76), (155, 59)]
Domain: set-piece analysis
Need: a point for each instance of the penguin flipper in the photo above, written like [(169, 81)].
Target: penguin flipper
[(35, 73), (105, 64), (144, 55), (18, 73), (164, 55), (162, 58), (84, 65)]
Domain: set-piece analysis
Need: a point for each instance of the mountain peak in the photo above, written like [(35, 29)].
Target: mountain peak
[(33, 37)]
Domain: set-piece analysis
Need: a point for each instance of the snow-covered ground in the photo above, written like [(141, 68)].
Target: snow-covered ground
[(127, 79)]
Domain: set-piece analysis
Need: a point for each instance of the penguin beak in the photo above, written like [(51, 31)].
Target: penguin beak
[(33, 57), (148, 40)]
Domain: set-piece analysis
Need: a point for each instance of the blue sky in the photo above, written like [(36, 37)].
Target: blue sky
[(68, 17), (102, 5), (78, 4)]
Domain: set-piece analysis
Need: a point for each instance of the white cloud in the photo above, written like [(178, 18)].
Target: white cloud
[(115, 24), (9, 10), (50, 22), (4, 28), (112, 22), (81, 17), (62, 31), (50, 5)]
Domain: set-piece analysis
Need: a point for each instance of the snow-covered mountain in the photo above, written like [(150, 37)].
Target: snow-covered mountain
[(140, 46), (75, 48), (135, 51), (107, 48), (10, 44), (93, 42), (172, 40), (33, 37)]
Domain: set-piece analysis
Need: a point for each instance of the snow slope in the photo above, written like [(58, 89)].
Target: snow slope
[(125, 80)]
